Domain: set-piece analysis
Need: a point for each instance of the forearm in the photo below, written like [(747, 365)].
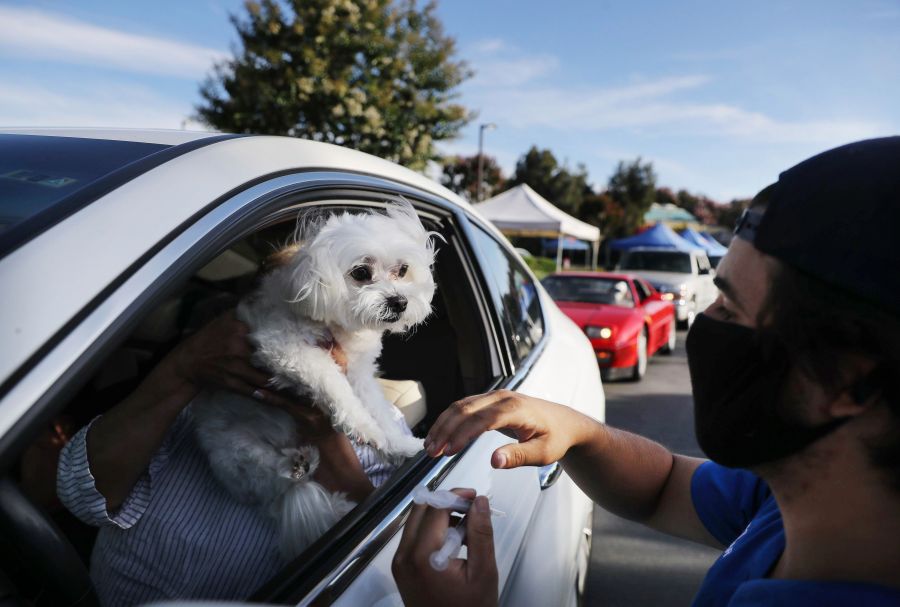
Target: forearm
[(121, 444), (340, 469), (638, 479), (622, 472)]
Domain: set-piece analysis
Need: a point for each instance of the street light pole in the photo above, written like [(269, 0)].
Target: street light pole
[(481, 129)]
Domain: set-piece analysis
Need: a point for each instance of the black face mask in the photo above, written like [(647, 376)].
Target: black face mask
[(738, 390)]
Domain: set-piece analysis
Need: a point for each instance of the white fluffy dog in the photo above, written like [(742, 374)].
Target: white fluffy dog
[(354, 277)]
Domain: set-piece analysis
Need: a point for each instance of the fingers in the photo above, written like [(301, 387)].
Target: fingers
[(424, 532), (500, 414), (456, 414), (480, 541), (531, 453)]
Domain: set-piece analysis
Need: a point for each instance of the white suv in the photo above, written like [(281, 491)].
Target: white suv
[(683, 277)]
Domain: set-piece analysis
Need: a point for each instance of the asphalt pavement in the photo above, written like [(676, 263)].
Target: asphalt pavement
[(631, 564)]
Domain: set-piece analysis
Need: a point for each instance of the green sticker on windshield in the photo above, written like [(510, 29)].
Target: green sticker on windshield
[(39, 178)]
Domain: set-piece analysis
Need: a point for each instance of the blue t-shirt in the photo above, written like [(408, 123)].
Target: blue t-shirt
[(738, 509)]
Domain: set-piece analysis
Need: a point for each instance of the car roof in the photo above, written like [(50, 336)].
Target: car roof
[(48, 279), (160, 136)]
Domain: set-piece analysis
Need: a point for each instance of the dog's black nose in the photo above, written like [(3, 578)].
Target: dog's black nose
[(396, 303)]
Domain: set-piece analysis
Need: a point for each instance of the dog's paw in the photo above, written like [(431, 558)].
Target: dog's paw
[(298, 464), (406, 446)]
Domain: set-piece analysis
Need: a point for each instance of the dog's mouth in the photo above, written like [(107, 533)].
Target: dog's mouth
[(391, 317)]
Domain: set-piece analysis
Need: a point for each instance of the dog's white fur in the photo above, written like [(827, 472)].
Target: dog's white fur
[(317, 295)]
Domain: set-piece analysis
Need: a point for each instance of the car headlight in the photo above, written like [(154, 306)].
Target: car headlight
[(672, 292), (598, 332)]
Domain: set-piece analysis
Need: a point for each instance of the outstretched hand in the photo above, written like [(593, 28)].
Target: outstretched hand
[(545, 430), (469, 582)]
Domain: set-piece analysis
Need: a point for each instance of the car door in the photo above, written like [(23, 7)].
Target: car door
[(96, 335), (544, 511), (653, 313)]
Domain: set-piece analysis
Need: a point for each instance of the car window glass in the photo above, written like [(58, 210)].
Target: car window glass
[(515, 295), (643, 292), (422, 372), (589, 290), (657, 261)]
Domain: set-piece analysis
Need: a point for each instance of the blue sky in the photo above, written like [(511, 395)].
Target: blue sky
[(720, 96)]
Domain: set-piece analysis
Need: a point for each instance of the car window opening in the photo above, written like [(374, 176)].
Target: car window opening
[(422, 372)]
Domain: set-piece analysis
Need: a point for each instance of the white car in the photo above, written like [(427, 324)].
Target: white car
[(115, 244), (683, 277)]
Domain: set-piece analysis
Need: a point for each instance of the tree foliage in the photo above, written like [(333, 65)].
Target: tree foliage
[(540, 170), (632, 187), (460, 175), (374, 75)]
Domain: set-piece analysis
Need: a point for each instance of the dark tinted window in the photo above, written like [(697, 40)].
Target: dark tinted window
[(643, 290), (38, 173), (657, 261), (589, 290), (515, 295)]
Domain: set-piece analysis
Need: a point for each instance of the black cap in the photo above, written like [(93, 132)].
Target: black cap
[(836, 216)]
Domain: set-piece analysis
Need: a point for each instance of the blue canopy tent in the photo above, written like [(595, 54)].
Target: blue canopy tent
[(709, 237), (550, 246), (659, 236), (712, 248), (568, 244)]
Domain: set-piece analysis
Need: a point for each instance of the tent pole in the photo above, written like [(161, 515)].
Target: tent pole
[(596, 246), (559, 244)]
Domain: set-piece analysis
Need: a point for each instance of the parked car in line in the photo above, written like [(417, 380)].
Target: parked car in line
[(115, 244), (625, 318), (683, 277)]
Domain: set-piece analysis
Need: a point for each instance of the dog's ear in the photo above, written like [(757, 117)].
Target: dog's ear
[(313, 281), (402, 211), (309, 222)]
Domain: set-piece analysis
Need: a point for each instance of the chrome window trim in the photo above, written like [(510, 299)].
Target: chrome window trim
[(528, 362), (342, 575), (206, 236), (244, 206)]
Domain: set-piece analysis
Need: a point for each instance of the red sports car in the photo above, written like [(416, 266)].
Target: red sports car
[(625, 318)]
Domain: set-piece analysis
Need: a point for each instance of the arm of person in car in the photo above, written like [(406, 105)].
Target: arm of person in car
[(624, 473), (119, 446)]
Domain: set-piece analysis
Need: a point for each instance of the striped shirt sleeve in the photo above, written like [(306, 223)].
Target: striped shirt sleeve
[(78, 492)]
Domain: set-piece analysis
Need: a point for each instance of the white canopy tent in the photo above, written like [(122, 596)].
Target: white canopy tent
[(520, 211)]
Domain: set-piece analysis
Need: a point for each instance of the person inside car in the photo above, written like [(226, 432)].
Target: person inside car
[(796, 381), (167, 528)]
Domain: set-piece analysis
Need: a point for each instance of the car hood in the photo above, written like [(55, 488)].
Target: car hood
[(594, 314), (662, 278)]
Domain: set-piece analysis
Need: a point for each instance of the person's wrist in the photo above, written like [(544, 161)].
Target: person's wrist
[(585, 432)]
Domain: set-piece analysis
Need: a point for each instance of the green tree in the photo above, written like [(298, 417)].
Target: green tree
[(374, 75), (633, 188), (460, 175), (728, 214), (601, 210), (666, 196), (541, 171)]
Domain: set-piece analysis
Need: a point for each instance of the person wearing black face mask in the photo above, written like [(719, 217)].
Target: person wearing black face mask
[(796, 378)]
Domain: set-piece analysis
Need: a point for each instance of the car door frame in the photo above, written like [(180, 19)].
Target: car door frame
[(76, 350)]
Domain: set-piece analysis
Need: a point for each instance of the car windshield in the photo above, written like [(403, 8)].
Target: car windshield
[(589, 290), (39, 174), (657, 261)]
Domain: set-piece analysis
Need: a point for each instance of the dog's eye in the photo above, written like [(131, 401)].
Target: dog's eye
[(402, 271), (361, 274)]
